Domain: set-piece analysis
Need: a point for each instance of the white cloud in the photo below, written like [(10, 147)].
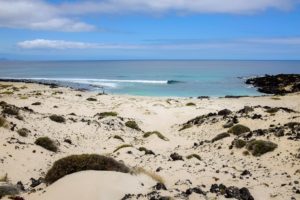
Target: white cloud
[(37, 15), (62, 44), (182, 6), (43, 15), (278, 41), (180, 45)]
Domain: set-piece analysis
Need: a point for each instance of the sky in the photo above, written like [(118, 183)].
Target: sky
[(149, 29)]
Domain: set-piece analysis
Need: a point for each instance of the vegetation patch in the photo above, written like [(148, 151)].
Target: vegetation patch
[(118, 138), (260, 147), (91, 99), (10, 190), (154, 176), (76, 163), (4, 86), (3, 122), (57, 118), (36, 103), (220, 137), (46, 143), (194, 156), (272, 110), (23, 132), (190, 104), (185, 126), (106, 114), (238, 143), (10, 110), (7, 92), (122, 146), (133, 125), (4, 178), (238, 129), (158, 134), (147, 151)]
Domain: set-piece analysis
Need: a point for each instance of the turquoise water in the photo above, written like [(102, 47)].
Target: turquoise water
[(150, 78)]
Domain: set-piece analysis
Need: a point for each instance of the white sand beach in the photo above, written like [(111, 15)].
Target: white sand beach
[(273, 175)]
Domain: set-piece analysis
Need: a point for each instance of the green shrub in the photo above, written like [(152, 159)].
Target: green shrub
[(122, 146), (194, 156), (238, 143), (7, 92), (36, 103), (76, 163), (3, 122), (260, 147), (91, 99), (8, 190), (158, 134), (133, 125), (238, 129), (186, 126), (23, 132), (10, 110), (220, 137), (57, 118), (272, 110), (190, 104), (46, 143), (106, 114), (147, 151), (118, 138)]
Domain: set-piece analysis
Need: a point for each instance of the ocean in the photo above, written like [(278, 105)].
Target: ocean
[(174, 78)]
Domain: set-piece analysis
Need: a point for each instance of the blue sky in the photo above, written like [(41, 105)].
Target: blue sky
[(143, 29)]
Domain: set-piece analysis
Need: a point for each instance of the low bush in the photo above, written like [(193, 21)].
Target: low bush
[(220, 137), (186, 126), (260, 147), (238, 143), (272, 110), (76, 163), (158, 134), (23, 132), (57, 118), (3, 122), (46, 143), (133, 125), (122, 146), (238, 129), (10, 190), (10, 110), (36, 103), (106, 114), (91, 99), (190, 104), (147, 151), (118, 138), (194, 156)]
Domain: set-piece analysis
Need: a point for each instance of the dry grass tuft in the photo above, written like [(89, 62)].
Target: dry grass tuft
[(122, 146), (153, 175), (158, 134)]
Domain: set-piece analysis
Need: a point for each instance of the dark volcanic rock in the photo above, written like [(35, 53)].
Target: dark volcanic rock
[(176, 156), (279, 84), (231, 192)]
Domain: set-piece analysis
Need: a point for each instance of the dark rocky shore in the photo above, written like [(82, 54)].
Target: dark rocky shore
[(276, 84)]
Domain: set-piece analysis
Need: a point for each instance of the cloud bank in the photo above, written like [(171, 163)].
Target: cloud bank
[(62, 44), (37, 15), (68, 15)]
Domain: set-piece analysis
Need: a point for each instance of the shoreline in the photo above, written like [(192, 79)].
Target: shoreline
[(190, 155), (55, 84)]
